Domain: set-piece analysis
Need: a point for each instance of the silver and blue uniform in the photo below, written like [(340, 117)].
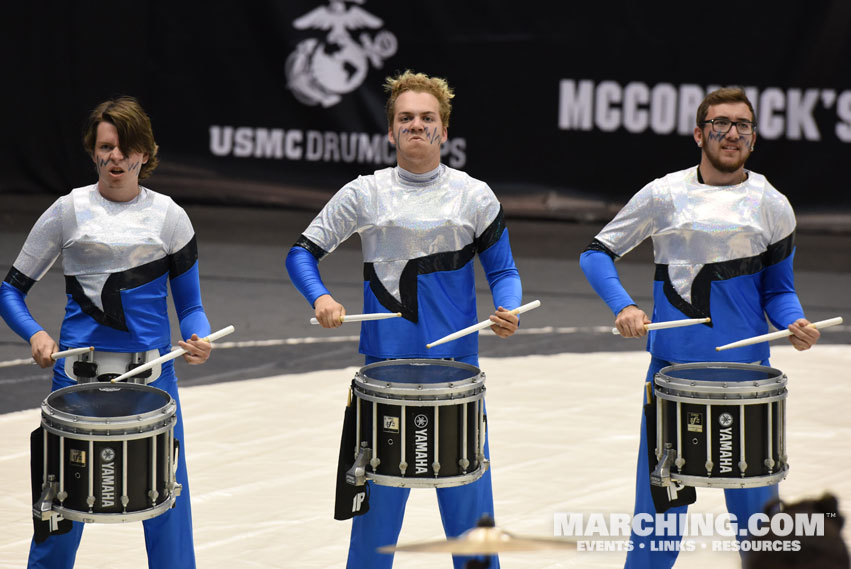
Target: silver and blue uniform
[(118, 259), (723, 252), (419, 234)]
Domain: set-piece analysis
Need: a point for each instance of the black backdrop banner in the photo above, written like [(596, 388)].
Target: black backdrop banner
[(558, 108)]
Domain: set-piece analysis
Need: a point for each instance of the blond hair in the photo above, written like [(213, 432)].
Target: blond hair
[(420, 83)]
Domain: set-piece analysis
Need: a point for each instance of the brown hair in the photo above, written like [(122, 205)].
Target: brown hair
[(133, 126), (421, 83), (720, 96)]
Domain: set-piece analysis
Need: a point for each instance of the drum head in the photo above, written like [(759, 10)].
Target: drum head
[(107, 408), (420, 371), (420, 379), (720, 372), (100, 400)]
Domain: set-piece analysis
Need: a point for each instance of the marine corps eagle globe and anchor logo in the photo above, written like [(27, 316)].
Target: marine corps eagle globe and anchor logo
[(320, 71)]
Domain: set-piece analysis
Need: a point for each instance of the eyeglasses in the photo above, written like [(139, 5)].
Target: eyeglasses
[(723, 126)]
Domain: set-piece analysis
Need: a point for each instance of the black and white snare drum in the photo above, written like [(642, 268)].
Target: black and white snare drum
[(109, 453), (720, 425), (420, 423)]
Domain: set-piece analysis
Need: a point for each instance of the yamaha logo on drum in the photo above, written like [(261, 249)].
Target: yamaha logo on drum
[(107, 454), (421, 421), (725, 419)]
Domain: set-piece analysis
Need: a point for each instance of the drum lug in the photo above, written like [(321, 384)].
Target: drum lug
[(769, 464), (153, 495), (435, 466), (464, 464), (43, 508), (403, 466), (743, 467), (356, 475)]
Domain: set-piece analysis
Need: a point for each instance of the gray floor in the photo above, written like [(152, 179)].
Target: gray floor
[(244, 283)]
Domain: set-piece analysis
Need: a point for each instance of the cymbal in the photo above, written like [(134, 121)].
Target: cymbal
[(483, 541)]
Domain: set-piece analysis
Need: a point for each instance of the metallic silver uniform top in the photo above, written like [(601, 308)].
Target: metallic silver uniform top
[(692, 224), (98, 237), (400, 218)]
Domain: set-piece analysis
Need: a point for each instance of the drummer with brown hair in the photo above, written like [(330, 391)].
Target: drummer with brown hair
[(723, 241), (122, 245), (421, 224)]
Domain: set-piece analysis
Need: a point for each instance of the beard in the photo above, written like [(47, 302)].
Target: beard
[(726, 167)]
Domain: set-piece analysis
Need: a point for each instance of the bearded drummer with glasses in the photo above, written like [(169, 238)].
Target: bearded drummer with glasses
[(723, 242)]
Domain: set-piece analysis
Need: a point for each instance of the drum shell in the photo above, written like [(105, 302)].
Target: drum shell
[(723, 406), (80, 460), (726, 441), (435, 396), (420, 439), (93, 455)]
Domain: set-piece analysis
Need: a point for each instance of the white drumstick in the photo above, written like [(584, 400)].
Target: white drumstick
[(779, 334), (72, 352), (362, 317), (175, 353), (482, 325), (671, 324)]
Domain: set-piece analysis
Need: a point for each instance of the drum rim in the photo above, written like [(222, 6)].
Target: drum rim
[(429, 481), (760, 390), (732, 482), (55, 419), (417, 391), (115, 517), (420, 398)]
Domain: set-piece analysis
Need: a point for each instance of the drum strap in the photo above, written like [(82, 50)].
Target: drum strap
[(350, 500), (686, 496)]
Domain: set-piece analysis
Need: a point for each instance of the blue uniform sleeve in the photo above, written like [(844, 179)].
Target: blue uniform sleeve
[(780, 299), (186, 290), (14, 311), (502, 275), (303, 268), (599, 269)]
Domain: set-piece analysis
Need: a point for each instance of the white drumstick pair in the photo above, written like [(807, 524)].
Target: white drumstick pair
[(779, 334), (671, 324), (175, 353), (482, 325)]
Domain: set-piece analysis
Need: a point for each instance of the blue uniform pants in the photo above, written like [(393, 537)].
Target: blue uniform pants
[(168, 537), (741, 502)]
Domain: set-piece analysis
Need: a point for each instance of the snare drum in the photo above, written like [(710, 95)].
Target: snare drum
[(720, 425), (420, 423), (109, 453)]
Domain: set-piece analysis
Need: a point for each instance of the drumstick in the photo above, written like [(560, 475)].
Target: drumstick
[(362, 317), (779, 334), (72, 352), (175, 353), (671, 324), (482, 325)]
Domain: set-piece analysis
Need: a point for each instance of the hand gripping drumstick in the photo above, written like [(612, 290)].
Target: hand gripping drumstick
[(671, 324), (175, 353), (362, 317), (482, 325), (779, 334), (72, 352)]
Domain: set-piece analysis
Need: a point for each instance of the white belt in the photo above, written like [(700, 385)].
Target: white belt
[(106, 365)]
